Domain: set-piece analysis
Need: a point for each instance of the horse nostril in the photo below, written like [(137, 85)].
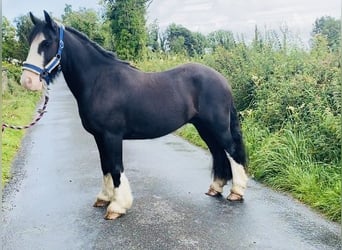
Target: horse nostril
[(27, 81)]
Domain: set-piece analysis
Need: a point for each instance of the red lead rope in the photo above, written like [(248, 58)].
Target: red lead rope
[(41, 112)]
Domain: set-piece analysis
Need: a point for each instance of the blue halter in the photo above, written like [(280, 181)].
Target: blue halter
[(45, 73)]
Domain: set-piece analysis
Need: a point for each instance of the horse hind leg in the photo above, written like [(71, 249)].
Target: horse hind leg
[(238, 158), (223, 131), (231, 140), (233, 152), (221, 165)]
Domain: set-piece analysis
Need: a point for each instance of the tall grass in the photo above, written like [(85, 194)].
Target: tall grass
[(283, 160)]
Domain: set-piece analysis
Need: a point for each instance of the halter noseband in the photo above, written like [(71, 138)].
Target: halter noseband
[(45, 72)]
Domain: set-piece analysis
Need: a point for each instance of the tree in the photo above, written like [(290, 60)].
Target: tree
[(86, 21), (330, 28), (128, 26), (15, 40), (153, 36), (199, 42), (177, 45), (163, 41), (181, 39), (221, 38), (9, 43), (24, 27)]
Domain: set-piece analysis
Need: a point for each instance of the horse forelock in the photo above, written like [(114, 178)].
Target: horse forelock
[(41, 32), (37, 29)]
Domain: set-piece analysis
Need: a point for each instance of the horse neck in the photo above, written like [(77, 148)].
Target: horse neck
[(78, 59)]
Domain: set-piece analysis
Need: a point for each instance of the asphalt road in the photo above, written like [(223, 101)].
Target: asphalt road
[(48, 203)]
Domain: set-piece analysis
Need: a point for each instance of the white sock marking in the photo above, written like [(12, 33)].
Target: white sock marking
[(239, 177), (218, 184), (120, 198)]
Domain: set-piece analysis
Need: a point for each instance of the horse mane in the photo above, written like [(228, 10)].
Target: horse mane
[(105, 53)]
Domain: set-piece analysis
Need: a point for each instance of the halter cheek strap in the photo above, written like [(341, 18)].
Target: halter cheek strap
[(45, 73)]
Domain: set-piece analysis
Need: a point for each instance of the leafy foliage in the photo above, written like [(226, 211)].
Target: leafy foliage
[(330, 28), (24, 27), (14, 39), (128, 25), (221, 38), (153, 37), (8, 40), (86, 21), (183, 41)]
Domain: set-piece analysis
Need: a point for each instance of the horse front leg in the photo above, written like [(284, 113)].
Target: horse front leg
[(116, 191)]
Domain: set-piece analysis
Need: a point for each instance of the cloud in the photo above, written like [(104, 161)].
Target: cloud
[(242, 16), (238, 16)]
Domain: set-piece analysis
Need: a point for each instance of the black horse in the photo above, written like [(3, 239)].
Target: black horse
[(116, 101)]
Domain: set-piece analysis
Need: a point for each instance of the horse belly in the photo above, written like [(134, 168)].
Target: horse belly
[(149, 126)]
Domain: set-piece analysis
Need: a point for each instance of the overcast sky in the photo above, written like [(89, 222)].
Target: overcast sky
[(238, 16)]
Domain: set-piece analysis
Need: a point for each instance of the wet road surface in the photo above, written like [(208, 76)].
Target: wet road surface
[(48, 203)]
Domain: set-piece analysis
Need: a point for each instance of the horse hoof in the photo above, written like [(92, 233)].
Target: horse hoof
[(212, 192), (112, 215), (234, 197), (101, 203)]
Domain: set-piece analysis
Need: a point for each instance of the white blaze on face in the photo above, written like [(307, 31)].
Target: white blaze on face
[(31, 80)]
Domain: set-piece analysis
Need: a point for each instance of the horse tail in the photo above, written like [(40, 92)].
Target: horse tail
[(239, 150)]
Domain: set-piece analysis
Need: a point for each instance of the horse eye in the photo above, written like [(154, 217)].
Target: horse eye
[(45, 43)]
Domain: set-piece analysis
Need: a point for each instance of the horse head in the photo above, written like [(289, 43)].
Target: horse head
[(42, 62)]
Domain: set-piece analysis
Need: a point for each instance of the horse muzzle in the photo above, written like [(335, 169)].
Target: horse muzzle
[(31, 81)]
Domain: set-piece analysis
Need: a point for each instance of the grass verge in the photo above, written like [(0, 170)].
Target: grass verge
[(18, 106)]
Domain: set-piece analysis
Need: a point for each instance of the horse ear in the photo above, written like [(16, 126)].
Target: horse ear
[(34, 19), (49, 20)]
